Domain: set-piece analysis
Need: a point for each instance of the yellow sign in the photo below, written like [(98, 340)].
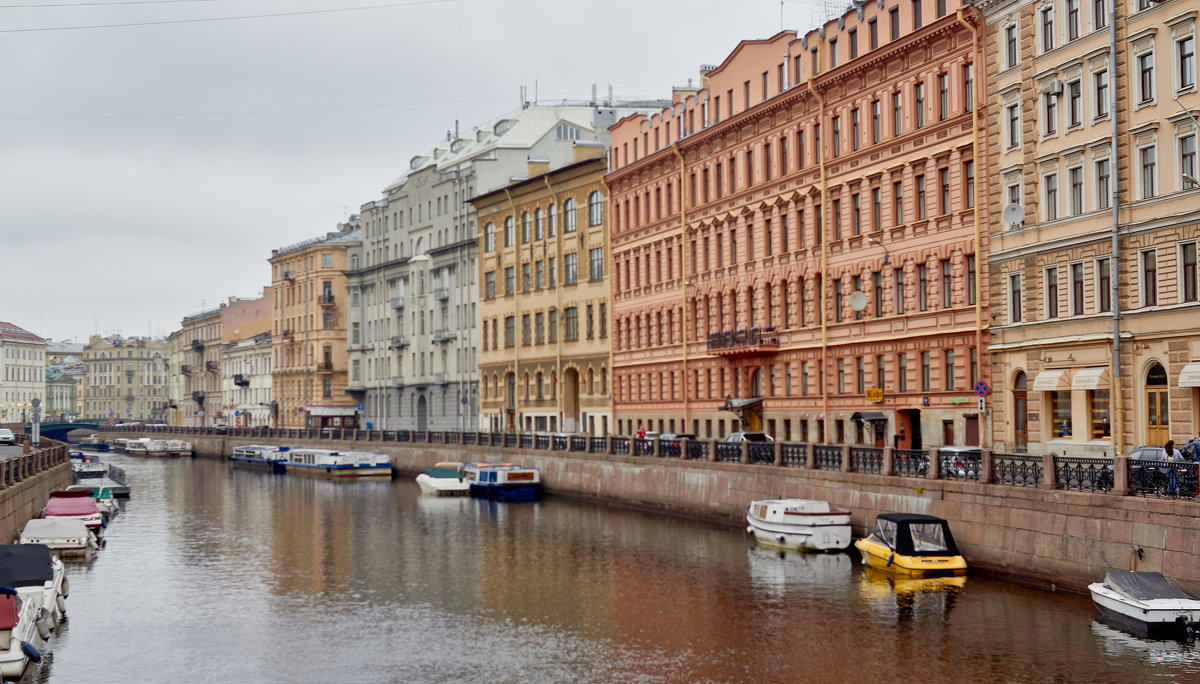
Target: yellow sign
[(874, 394)]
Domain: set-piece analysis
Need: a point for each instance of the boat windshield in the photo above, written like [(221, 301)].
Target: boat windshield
[(885, 532), (928, 538)]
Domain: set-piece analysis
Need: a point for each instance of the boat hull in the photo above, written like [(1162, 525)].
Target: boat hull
[(879, 556), (1155, 618), (340, 472), (819, 532), (270, 466), (442, 486), (519, 493)]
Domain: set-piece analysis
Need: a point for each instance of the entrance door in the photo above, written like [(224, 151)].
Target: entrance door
[(570, 390), (1020, 413), (1158, 414), (971, 429), (948, 432), (422, 414), (908, 429)]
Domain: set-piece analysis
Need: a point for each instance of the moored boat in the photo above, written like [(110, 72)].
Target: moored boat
[(178, 448), (259, 457), (93, 443), (337, 464), (38, 576), (103, 496), (911, 544), (156, 448), (800, 524), (1146, 604), (75, 505), (502, 481), (444, 479), (104, 475), (18, 634), (119, 444), (137, 447), (63, 536)]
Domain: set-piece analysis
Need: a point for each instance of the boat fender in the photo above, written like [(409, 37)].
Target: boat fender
[(44, 623), (8, 591), (61, 601), (782, 539), (749, 529), (891, 558), (31, 652), (66, 587)]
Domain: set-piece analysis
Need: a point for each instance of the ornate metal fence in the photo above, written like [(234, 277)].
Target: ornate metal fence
[(910, 462), (620, 445), (762, 453), (697, 450), (960, 465), (729, 452), (828, 457), (1083, 474), (1017, 469), (866, 459), (1175, 479), (597, 445), (795, 455)]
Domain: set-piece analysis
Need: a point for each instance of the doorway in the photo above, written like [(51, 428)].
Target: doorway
[(422, 414), (908, 429), (971, 430), (1020, 413), (1158, 413), (948, 432), (570, 398)]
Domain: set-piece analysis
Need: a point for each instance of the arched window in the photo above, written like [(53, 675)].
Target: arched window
[(509, 237), (595, 209), (569, 215), (539, 224), (525, 227)]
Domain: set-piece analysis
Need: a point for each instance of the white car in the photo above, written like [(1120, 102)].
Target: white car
[(7, 436)]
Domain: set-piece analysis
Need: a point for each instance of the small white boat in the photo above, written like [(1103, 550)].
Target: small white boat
[(38, 576), (801, 524), (337, 464), (64, 537), (156, 448), (104, 498), (178, 448), (1147, 604), (119, 444), (18, 634), (260, 457), (137, 447), (444, 479)]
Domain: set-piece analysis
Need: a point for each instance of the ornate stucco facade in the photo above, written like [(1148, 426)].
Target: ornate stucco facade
[(198, 367), (126, 379), (22, 372), (544, 292), (803, 259), (246, 361), (1092, 152)]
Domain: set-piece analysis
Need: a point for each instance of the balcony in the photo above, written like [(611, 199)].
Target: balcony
[(241, 380), (211, 366), (185, 369), (128, 398), (743, 342), (443, 335), (325, 367), (398, 342), (396, 381), (198, 346), (198, 397), (289, 275), (441, 293), (286, 334), (397, 302), (325, 300), (439, 378)]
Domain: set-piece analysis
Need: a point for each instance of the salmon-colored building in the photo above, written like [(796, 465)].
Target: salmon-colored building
[(795, 242)]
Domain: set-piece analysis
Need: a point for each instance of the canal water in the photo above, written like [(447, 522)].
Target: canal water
[(213, 574)]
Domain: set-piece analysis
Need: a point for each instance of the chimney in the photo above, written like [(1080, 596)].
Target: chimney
[(538, 164), (588, 149)]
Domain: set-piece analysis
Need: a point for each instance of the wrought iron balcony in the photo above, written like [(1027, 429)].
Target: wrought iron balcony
[(198, 397), (326, 300), (198, 346), (185, 369), (324, 367), (289, 275), (211, 366), (441, 293), (286, 334), (241, 380), (444, 335), (397, 302), (398, 342), (737, 342)]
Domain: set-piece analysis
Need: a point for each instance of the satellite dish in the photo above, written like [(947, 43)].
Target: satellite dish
[(858, 300), (1014, 214)]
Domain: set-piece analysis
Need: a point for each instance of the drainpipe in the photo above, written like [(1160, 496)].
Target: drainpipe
[(516, 314), (612, 219), (824, 257), (1118, 422), (984, 428), (683, 275), (558, 237)]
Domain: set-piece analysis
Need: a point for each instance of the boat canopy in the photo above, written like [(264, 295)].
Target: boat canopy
[(445, 473), (9, 607), (23, 565), (1144, 586), (910, 534), (75, 505), (49, 528)]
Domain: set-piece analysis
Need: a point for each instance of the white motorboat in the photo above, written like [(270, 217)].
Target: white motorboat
[(178, 448), (156, 448), (38, 576), (18, 634), (65, 537), (337, 464), (1147, 604), (104, 498), (444, 479), (801, 524), (138, 447)]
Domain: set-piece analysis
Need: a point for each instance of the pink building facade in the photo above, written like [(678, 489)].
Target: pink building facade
[(796, 243)]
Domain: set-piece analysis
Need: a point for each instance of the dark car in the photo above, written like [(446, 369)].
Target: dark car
[(749, 437)]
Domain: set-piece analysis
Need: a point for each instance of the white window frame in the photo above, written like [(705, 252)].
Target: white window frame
[(1012, 112), (1183, 133), (1019, 317), (1103, 196), (1011, 31), (1142, 148), (1076, 308), (1050, 204), (1050, 275), (1082, 207), (1177, 63), (1101, 105)]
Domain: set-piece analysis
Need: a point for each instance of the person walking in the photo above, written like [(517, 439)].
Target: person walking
[(1172, 457), (641, 431)]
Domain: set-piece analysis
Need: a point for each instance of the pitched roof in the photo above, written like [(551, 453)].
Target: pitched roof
[(16, 332)]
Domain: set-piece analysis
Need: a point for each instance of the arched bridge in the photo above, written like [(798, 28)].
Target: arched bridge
[(59, 430)]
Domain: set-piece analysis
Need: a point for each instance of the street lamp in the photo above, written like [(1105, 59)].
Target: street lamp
[(873, 241)]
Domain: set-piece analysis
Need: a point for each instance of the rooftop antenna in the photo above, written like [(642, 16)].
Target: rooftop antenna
[(780, 15)]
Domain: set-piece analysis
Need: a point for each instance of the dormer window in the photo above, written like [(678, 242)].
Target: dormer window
[(567, 132)]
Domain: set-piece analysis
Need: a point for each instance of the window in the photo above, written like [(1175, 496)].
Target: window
[(571, 269), (949, 368), (902, 371), (833, 53), (897, 113), (1060, 413), (837, 301), (1100, 13), (925, 372), (1049, 114), (524, 227), (1186, 59), (539, 224), (941, 8), (552, 269), (875, 125), (876, 209), (595, 209), (1076, 289), (855, 130), (1100, 88), (1050, 194), (1075, 178), (510, 331), (1145, 67), (1188, 273), (852, 36), (525, 279), (571, 324), (569, 215), (877, 293), (526, 330), (1187, 161), (923, 287), (943, 96), (1147, 157), (919, 105), (539, 328), (1074, 104), (1101, 427), (1014, 298), (917, 18), (1010, 46), (920, 180), (1103, 285), (1012, 115), (894, 20), (837, 135), (856, 214), (489, 237), (489, 279), (552, 327), (510, 277), (539, 272), (1149, 270), (1103, 191), (898, 289), (969, 87), (1047, 19), (897, 203), (1050, 279), (596, 259), (943, 191), (971, 279), (946, 284), (509, 232), (1072, 19), (969, 184)]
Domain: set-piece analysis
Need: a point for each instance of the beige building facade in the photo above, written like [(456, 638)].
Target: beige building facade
[(198, 366), (1095, 224), (544, 293), (246, 361), (126, 379), (22, 372)]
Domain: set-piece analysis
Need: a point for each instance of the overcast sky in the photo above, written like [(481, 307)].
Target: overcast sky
[(146, 171)]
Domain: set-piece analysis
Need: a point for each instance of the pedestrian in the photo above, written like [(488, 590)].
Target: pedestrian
[(641, 431), (1172, 456)]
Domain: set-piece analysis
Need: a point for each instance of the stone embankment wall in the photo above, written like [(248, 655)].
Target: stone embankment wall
[(25, 485), (1045, 537)]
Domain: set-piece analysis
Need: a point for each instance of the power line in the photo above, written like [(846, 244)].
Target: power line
[(213, 19)]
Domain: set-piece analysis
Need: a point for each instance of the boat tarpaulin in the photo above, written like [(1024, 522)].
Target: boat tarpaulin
[(49, 528), (25, 565), (63, 506), (1143, 586)]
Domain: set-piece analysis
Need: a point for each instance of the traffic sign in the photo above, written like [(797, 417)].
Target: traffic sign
[(981, 388), (982, 404)]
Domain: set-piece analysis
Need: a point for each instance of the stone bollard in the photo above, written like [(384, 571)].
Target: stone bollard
[(657, 447), (712, 450), (985, 466), (886, 467), (1049, 473), (935, 465), (846, 458), (745, 452), (778, 454), (810, 457), (608, 444), (683, 448), (1120, 475)]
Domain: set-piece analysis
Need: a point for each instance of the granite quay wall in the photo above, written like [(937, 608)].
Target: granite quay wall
[(26, 482), (1009, 519)]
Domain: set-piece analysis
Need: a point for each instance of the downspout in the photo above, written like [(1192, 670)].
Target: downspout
[(558, 310), (985, 427), (683, 278), (516, 312), (1118, 435), (824, 257)]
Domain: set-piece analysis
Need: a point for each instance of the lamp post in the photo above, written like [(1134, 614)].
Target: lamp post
[(873, 241)]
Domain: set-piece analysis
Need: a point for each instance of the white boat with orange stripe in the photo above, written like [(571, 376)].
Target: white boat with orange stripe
[(800, 524)]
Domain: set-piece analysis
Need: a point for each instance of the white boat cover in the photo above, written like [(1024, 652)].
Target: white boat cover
[(1144, 586), (49, 528)]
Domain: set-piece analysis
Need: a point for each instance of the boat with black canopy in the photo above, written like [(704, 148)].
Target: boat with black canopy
[(1147, 604)]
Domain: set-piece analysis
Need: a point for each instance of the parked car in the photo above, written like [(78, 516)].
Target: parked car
[(1150, 472), (219, 427), (749, 437), (963, 462), (7, 436)]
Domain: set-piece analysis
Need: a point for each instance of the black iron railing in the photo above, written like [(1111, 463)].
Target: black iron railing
[(829, 457), (1020, 470), (866, 459), (910, 462)]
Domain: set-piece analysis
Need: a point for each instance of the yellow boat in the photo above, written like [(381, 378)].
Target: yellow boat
[(912, 545)]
